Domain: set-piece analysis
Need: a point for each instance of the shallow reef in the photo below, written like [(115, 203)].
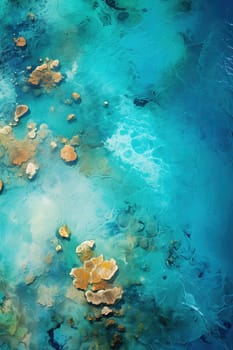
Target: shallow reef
[(115, 175)]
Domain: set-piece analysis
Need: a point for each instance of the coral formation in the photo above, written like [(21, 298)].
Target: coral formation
[(32, 130), (68, 154), (64, 231), (84, 250), (31, 170), (20, 41), (5, 130), (46, 295), (106, 311), (81, 278), (20, 151), (71, 117), (97, 272), (20, 111), (75, 140), (116, 341), (29, 279), (104, 271), (106, 296), (76, 96), (9, 319), (32, 134), (53, 145), (45, 75), (58, 248)]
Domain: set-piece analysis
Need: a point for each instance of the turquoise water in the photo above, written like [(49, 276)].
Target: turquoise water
[(152, 185)]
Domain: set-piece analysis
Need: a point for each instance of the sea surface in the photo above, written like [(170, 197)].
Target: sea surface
[(141, 91)]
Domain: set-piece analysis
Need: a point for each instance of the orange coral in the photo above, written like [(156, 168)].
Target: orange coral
[(20, 42), (97, 272), (68, 154), (81, 278), (104, 271), (76, 97), (89, 265), (45, 76), (100, 285)]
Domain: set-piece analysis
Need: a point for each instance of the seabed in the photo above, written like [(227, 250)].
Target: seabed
[(116, 189)]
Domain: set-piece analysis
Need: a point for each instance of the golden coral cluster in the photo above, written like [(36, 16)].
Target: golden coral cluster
[(98, 273), (46, 75)]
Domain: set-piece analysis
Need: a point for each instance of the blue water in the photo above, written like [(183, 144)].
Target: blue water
[(152, 184)]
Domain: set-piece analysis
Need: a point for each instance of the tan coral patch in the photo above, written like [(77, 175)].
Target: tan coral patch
[(21, 151), (108, 296), (68, 153), (81, 276), (20, 111), (45, 76), (20, 42), (100, 285), (106, 270)]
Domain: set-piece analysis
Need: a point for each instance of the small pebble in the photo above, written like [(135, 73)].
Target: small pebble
[(71, 117), (58, 248), (53, 145)]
